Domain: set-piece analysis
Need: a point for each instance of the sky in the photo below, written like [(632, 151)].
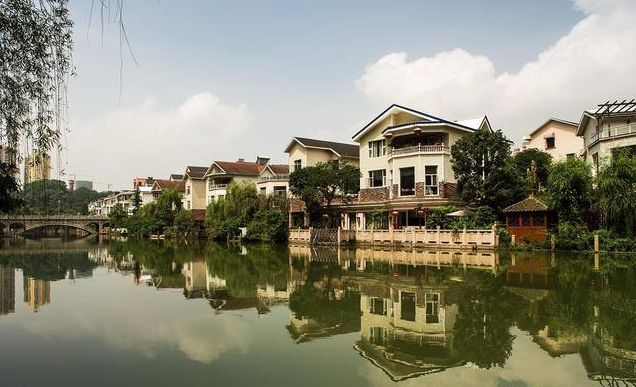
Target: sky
[(222, 80)]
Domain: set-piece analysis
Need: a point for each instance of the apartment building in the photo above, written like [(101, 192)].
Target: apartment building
[(37, 166)]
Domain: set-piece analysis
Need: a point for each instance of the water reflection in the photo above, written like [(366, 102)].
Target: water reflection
[(413, 313)]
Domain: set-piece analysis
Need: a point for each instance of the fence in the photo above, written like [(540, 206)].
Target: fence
[(453, 239)]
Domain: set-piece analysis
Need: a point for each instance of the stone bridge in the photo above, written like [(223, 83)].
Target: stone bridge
[(17, 224)]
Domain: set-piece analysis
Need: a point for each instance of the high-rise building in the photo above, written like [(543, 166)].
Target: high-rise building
[(7, 290), (37, 166), (9, 155), (37, 292), (83, 184)]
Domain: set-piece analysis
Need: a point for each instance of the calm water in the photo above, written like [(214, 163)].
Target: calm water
[(160, 314)]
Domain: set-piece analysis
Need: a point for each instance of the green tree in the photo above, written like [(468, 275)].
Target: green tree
[(319, 185), (46, 197), (78, 200), (616, 188), (168, 203), (569, 188), (136, 201), (9, 188), (184, 222), (35, 51), (543, 159), (268, 225), (117, 216), (225, 216), (486, 173)]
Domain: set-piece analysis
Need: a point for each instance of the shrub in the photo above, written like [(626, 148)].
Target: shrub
[(268, 225)]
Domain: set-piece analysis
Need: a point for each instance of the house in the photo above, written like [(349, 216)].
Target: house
[(274, 180), (266, 177), (162, 185), (556, 137), (612, 125), (307, 152), (194, 196), (405, 165), (175, 177), (104, 206)]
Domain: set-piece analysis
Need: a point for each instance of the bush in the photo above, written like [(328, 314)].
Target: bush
[(268, 225), (572, 236)]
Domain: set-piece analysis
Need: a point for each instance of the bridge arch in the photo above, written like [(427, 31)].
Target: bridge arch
[(17, 227), (71, 225)]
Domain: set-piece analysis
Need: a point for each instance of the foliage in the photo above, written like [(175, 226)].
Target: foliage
[(320, 184), (543, 159), (268, 225), (136, 201), (484, 217), (184, 222), (569, 188), (379, 219), (35, 53), (486, 173), (77, 202), (572, 236), (616, 188), (117, 216), (9, 188), (225, 216), (45, 197)]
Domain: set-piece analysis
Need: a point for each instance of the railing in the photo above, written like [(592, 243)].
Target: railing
[(273, 178), (214, 187), (454, 239), (613, 131), (419, 149)]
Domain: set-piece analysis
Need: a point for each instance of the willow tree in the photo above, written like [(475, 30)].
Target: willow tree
[(35, 63)]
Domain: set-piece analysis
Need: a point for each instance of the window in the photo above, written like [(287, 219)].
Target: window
[(377, 148), (280, 190), (430, 180), (570, 155), (407, 181), (538, 220), (525, 220), (432, 307), (298, 164), (263, 191), (513, 220), (377, 178), (378, 335), (378, 306), (407, 306), (188, 190), (550, 142), (188, 205), (595, 162)]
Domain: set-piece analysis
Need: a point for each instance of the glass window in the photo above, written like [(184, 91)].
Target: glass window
[(377, 148), (263, 191), (378, 335), (188, 190), (407, 181), (377, 306), (430, 180), (298, 164), (550, 143), (377, 178), (432, 307), (525, 220), (538, 220), (513, 220), (280, 190), (407, 306)]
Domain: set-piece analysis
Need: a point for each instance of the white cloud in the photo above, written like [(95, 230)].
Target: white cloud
[(147, 140), (594, 62)]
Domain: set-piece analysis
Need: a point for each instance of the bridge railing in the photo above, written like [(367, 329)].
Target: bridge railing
[(53, 217)]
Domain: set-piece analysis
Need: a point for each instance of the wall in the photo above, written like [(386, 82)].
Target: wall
[(566, 140)]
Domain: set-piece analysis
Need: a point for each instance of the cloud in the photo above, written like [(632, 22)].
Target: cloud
[(594, 62), (146, 139)]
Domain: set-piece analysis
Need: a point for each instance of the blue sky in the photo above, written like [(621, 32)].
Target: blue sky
[(218, 80)]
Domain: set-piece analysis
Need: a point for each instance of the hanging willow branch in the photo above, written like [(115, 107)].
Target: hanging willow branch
[(35, 64)]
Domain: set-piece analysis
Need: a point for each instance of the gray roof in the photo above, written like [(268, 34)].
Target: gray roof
[(342, 149)]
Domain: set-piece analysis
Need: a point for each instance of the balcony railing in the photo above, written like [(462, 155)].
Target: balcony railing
[(419, 149), (214, 187), (273, 178), (614, 131)]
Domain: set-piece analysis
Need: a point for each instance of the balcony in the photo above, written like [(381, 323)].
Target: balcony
[(264, 179), (217, 187), (419, 149), (612, 132)]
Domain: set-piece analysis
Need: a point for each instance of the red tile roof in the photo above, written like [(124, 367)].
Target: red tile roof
[(279, 169), (170, 184), (241, 168)]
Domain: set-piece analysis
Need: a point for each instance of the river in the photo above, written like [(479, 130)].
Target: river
[(143, 313)]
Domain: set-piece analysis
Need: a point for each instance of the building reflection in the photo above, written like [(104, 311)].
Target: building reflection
[(37, 292), (7, 290)]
